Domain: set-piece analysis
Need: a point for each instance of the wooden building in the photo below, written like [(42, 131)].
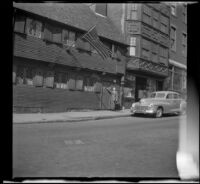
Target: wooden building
[(51, 76)]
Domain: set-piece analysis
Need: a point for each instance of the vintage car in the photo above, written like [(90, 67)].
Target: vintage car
[(159, 103)]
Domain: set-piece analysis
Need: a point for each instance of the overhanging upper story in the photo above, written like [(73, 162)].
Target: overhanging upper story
[(43, 35)]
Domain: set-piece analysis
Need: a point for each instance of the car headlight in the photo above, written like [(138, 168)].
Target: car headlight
[(133, 105)]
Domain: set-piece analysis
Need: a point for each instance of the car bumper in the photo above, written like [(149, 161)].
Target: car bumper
[(147, 111)]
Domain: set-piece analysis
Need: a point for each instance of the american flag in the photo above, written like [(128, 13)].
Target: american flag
[(92, 37)]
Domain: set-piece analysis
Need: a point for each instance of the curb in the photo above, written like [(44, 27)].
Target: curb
[(75, 120)]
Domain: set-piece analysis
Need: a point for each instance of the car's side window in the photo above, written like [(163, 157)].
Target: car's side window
[(175, 96), (169, 96)]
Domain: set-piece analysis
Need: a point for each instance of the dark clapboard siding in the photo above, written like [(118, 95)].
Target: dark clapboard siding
[(35, 48), (31, 99)]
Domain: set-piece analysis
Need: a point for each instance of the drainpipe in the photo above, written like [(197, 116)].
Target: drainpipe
[(172, 78)]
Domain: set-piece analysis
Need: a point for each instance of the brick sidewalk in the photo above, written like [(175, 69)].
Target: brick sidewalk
[(68, 116)]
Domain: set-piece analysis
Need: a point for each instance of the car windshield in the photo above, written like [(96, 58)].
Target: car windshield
[(157, 95)]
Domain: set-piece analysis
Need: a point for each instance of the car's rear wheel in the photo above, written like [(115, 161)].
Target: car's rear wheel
[(159, 112)]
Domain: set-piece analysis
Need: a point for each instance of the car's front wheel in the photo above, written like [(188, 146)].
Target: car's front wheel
[(159, 112)]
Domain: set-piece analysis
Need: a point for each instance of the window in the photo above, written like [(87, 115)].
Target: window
[(101, 8), (52, 33), (29, 75), (184, 43), (173, 38), (20, 76), (185, 14), (60, 80), (25, 75), (154, 48), (169, 96), (146, 47), (175, 96), (89, 84), (164, 24), (68, 37), (19, 23), (33, 27), (146, 14), (132, 46), (173, 9), (79, 82), (163, 52), (132, 11), (155, 19)]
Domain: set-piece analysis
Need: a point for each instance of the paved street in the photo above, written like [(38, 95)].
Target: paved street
[(120, 147)]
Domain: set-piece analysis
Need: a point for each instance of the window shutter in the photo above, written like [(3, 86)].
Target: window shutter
[(19, 24), (79, 83), (48, 32), (71, 84), (49, 79), (38, 79), (97, 87)]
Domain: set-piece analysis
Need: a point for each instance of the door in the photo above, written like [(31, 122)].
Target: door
[(159, 85), (177, 101), (169, 107), (141, 85)]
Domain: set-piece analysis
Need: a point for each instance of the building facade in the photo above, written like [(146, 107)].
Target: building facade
[(146, 27), (49, 73), (177, 79)]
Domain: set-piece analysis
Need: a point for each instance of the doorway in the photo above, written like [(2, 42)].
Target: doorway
[(159, 85), (141, 84)]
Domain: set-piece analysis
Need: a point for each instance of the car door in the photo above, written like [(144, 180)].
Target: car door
[(170, 103), (177, 101)]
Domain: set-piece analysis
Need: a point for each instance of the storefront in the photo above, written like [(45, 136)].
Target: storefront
[(140, 86)]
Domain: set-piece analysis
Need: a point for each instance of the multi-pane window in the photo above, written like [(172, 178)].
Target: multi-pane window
[(146, 14), (173, 9), (52, 33), (184, 43), (185, 14), (163, 53), (173, 38), (89, 84), (164, 24), (25, 75), (132, 46), (146, 48), (68, 37), (101, 8), (155, 19), (154, 49), (33, 27), (132, 11), (60, 80)]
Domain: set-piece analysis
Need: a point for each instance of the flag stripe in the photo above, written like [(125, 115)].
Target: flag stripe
[(99, 45), (92, 37), (96, 47)]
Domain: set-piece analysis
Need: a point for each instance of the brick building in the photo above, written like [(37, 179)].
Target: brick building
[(146, 27), (178, 47), (50, 77)]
